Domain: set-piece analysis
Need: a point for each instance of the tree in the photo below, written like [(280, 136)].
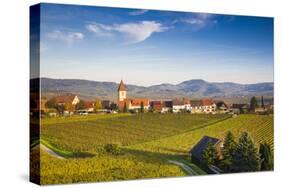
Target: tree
[(229, 147), (69, 107), (112, 149), (266, 157), (209, 155), (245, 157), (51, 103), (60, 108), (113, 106), (262, 102), (253, 103), (81, 105), (125, 108), (142, 107), (97, 105)]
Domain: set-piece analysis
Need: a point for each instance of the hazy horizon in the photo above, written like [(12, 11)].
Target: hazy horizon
[(131, 83), (150, 47)]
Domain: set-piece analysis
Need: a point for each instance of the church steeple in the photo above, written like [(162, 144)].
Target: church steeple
[(121, 86), (122, 94)]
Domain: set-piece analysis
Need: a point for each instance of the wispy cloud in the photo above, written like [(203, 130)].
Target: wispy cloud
[(68, 37), (133, 32), (138, 12), (199, 21)]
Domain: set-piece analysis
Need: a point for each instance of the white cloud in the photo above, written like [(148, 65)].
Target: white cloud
[(200, 20), (68, 37), (134, 32), (138, 12)]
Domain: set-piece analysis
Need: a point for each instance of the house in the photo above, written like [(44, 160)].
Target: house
[(208, 106), (167, 106), (105, 104), (89, 106), (68, 98), (203, 106), (195, 106), (240, 108), (135, 104), (222, 107), (180, 105), (197, 151), (156, 106), (131, 104)]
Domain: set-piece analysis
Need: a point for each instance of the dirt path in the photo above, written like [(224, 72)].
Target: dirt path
[(51, 152), (185, 167)]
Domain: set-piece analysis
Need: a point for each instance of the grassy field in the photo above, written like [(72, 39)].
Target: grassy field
[(147, 142)]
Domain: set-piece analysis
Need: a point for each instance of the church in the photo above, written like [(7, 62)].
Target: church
[(130, 104)]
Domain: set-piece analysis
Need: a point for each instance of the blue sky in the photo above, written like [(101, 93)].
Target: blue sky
[(147, 47)]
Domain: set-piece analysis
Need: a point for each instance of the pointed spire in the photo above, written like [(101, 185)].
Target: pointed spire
[(121, 86)]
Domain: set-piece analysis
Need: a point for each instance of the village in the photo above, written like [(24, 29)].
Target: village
[(70, 104)]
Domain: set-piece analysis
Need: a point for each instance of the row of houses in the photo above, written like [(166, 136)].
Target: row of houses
[(163, 106), (70, 103)]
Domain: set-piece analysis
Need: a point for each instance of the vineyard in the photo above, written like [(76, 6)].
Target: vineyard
[(147, 143), (124, 130), (260, 129)]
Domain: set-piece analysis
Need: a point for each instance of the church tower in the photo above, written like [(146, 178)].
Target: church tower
[(122, 93)]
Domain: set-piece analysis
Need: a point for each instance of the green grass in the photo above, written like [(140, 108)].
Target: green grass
[(147, 142)]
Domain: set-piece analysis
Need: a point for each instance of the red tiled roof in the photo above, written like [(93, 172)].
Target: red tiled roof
[(64, 98), (180, 102), (121, 86), (158, 106), (88, 104), (207, 102), (137, 102)]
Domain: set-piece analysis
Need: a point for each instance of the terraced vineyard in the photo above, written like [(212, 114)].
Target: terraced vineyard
[(147, 143)]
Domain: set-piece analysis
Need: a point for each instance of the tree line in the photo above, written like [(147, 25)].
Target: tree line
[(241, 156)]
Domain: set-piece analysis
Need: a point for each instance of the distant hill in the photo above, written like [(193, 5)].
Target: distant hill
[(192, 88)]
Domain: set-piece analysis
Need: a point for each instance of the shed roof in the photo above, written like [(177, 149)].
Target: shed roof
[(199, 148)]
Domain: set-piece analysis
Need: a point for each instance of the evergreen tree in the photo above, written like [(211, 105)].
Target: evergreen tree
[(245, 157), (141, 107), (253, 103), (209, 155), (266, 157), (229, 147), (262, 102)]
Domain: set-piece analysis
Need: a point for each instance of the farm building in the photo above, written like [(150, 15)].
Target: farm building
[(156, 106), (203, 106), (240, 108), (180, 105), (222, 107), (197, 151), (161, 106), (65, 103), (89, 106), (68, 98)]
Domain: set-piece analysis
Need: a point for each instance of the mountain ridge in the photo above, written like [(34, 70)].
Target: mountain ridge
[(190, 88)]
